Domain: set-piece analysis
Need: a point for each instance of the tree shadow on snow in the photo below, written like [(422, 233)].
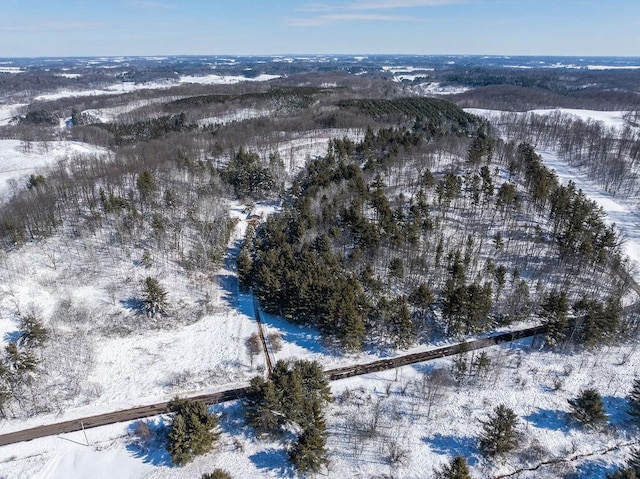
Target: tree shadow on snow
[(148, 441), (553, 420), (594, 468), (12, 337), (455, 446), (243, 301), (303, 336), (132, 304), (229, 282), (274, 461), (616, 408), (233, 419)]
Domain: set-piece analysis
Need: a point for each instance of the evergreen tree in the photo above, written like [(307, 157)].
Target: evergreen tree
[(634, 401), (588, 409), (263, 406), (555, 309), (295, 394), (421, 297), (32, 332), (456, 469), (309, 453), (402, 328), (19, 362), (631, 469), (217, 474), (154, 297), (499, 434), (178, 442), (146, 185), (191, 432), (244, 264)]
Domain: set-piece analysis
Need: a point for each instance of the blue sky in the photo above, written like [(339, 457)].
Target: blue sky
[(254, 27)]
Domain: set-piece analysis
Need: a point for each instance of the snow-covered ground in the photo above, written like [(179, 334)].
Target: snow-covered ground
[(7, 112), (157, 363), (237, 115), (435, 88), (623, 212), (608, 118), (224, 79), (536, 385), (16, 164), (111, 113), (126, 87)]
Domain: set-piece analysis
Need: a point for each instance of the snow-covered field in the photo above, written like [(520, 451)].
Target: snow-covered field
[(18, 161), (608, 118), (126, 87), (7, 112), (624, 212), (435, 88), (127, 368), (536, 385)]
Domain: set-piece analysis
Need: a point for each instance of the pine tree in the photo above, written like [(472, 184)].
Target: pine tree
[(178, 442), (588, 409), (191, 431), (263, 407), (555, 309), (631, 469), (499, 432), (309, 453), (456, 469), (32, 332), (634, 401), (421, 297), (155, 297), (622, 474), (402, 327), (244, 264), (18, 361)]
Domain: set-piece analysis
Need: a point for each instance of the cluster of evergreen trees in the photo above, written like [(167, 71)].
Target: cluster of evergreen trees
[(295, 395), (19, 365), (192, 430), (351, 246)]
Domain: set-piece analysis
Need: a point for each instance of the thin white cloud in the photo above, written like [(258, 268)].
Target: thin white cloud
[(347, 17), (364, 5)]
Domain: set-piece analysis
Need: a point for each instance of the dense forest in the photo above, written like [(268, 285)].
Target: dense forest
[(421, 230)]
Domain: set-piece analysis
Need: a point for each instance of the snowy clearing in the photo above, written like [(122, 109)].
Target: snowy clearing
[(16, 164), (623, 212), (608, 118)]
